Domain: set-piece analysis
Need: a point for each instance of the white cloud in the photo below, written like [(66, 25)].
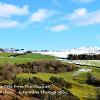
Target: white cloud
[(83, 1), (7, 10), (81, 12), (58, 28), (82, 17), (41, 15), (7, 23)]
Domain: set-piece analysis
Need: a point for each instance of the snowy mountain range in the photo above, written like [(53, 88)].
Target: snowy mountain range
[(65, 53), (60, 53)]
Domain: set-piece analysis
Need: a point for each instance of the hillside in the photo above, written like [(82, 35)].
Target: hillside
[(9, 57), (38, 69)]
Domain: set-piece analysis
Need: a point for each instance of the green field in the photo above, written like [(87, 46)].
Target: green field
[(5, 58), (82, 91), (4, 54), (76, 77)]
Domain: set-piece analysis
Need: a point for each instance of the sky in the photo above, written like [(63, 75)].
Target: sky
[(49, 24)]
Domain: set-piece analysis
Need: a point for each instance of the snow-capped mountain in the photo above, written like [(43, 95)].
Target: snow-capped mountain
[(65, 53), (86, 50), (60, 53)]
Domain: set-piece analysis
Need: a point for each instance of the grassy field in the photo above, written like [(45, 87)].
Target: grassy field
[(4, 54), (81, 90), (5, 58), (36, 56)]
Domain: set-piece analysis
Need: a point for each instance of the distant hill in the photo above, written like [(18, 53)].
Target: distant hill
[(60, 53), (65, 53)]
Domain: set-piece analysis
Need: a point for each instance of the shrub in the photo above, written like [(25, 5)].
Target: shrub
[(60, 82), (47, 66), (9, 71), (91, 80)]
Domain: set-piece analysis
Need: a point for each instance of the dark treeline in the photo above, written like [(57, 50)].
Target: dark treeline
[(47, 66), (84, 57)]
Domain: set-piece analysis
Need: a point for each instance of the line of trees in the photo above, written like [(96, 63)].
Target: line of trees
[(83, 57), (47, 66), (9, 71)]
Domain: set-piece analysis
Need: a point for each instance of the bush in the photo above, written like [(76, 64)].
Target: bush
[(47, 66), (91, 80), (60, 82), (9, 71)]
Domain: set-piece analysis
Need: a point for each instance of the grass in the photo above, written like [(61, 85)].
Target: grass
[(86, 62), (46, 76), (36, 56), (95, 71), (6, 82), (82, 91), (5, 54), (4, 58), (96, 74)]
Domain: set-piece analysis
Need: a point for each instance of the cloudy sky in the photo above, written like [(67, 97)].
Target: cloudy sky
[(49, 24)]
